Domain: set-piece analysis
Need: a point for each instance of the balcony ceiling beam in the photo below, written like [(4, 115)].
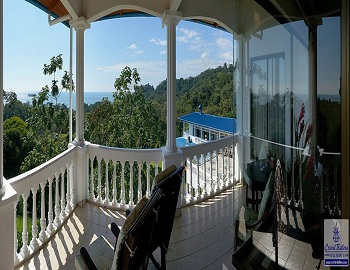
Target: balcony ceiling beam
[(74, 8), (175, 4)]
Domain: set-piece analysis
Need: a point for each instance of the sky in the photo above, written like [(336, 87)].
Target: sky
[(110, 45)]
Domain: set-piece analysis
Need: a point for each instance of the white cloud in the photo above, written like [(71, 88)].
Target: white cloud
[(227, 56), (162, 52), (225, 47), (194, 67), (136, 53), (132, 46), (152, 72), (192, 40), (224, 43), (187, 35), (158, 41), (204, 55)]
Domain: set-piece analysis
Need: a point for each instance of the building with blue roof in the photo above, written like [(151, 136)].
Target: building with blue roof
[(200, 127)]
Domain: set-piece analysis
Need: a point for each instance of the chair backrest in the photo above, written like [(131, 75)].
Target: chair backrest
[(135, 245), (170, 187)]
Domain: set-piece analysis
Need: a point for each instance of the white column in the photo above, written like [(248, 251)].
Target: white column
[(80, 25), (171, 19), (240, 83), (8, 230), (81, 168), (70, 84)]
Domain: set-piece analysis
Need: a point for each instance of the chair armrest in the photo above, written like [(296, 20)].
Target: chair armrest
[(87, 259), (115, 229)]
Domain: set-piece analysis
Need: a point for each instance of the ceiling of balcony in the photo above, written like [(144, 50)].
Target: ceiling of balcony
[(243, 16), (202, 11)]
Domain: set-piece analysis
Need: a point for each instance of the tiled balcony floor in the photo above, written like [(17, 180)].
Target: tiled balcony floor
[(201, 238)]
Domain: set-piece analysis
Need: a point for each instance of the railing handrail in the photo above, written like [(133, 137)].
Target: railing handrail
[(290, 146), (125, 154), (25, 181), (208, 146)]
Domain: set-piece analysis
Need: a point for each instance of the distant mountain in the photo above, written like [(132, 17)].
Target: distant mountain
[(213, 88)]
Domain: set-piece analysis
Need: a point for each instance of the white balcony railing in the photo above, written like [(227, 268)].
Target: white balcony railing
[(117, 178), (115, 174), (53, 182), (209, 169)]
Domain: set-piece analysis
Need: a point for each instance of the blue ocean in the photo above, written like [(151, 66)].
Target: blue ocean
[(93, 97), (89, 97)]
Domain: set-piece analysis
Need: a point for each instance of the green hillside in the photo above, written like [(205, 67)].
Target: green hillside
[(212, 88)]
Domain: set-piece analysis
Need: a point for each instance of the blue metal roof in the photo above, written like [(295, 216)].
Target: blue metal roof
[(223, 124)]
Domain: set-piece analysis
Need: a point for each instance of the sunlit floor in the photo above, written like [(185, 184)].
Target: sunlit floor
[(201, 238)]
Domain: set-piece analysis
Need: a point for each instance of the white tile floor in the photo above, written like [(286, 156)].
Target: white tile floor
[(201, 238)]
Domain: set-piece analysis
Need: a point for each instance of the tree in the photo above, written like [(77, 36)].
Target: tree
[(48, 124), (14, 107), (56, 63), (16, 145), (130, 121)]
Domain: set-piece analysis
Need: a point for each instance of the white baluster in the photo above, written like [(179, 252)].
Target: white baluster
[(114, 184), (99, 180), (50, 227), (63, 195), (131, 191), (139, 188), (122, 192), (16, 259), (34, 243), (223, 168), (69, 207), (106, 184), (42, 235), (198, 180), (24, 249), (217, 170), (57, 220), (205, 193), (72, 181), (148, 193), (229, 166), (211, 172), (92, 195), (191, 180)]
